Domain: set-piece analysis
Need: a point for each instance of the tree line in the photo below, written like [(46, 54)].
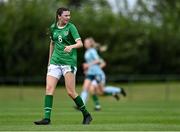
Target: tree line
[(142, 40)]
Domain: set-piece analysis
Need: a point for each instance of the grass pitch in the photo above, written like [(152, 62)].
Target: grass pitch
[(148, 106)]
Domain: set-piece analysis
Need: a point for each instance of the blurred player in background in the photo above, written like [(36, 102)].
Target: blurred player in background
[(95, 77), (65, 39)]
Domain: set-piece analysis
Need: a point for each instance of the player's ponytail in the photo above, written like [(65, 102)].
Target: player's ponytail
[(98, 46)]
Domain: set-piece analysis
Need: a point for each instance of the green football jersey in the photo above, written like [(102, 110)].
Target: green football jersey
[(62, 37)]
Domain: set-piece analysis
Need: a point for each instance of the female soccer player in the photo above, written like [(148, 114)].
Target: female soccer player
[(65, 39), (96, 83)]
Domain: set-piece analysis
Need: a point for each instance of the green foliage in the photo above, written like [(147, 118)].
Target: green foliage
[(140, 41), (23, 37)]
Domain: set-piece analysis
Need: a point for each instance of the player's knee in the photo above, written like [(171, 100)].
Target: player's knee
[(92, 91), (49, 89)]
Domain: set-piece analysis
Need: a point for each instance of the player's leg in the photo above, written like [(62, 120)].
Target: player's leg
[(111, 91), (84, 93), (69, 77), (105, 92), (95, 98), (52, 78), (115, 90), (101, 80), (86, 84)]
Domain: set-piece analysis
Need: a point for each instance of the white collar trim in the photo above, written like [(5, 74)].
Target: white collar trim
[(61, 27)]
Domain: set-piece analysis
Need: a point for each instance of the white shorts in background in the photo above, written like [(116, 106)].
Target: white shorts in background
[(94, 83), (58, 70)]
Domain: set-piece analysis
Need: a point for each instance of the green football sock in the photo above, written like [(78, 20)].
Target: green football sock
[(95, 99), (107, 94), (48, 106), (81, 105)]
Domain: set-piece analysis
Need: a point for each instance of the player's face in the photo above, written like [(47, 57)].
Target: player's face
[(87, 43), (65, 17)]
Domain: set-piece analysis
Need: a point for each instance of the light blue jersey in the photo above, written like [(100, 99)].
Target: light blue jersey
[(90, 56)]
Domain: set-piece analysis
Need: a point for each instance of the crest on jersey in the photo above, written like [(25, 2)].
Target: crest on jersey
[(66, 32)]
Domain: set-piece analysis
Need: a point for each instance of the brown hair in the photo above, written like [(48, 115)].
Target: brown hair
[(60, 11)]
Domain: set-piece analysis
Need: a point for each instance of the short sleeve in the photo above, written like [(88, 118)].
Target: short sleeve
[(74, 32)]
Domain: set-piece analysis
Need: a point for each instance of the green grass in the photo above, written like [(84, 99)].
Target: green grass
[(149, 106)]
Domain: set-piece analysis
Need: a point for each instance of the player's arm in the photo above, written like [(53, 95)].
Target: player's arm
[(51, 48), (87, 65), (77, 39), (84, 68), (97, 61), (78, 44), (102, 63)]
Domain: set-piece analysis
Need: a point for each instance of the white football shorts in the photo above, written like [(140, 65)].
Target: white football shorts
[(58, 70)]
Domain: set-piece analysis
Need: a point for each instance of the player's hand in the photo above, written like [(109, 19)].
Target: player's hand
[(85, 66), (68, 49)]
